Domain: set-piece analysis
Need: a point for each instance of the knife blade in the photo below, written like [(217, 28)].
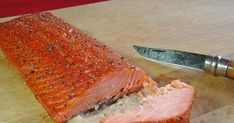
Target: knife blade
[(216, 65)]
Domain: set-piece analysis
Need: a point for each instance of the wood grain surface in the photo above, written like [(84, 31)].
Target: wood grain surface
[(201, 26)]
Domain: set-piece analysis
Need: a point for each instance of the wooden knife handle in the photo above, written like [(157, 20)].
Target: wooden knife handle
[(230, 69)]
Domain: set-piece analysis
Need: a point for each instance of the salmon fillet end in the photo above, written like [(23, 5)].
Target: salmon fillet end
[(172, 104)]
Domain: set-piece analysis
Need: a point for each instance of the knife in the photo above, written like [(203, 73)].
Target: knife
[(216, 65)]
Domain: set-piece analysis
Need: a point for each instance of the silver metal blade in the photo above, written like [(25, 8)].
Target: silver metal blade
[(181, 58)]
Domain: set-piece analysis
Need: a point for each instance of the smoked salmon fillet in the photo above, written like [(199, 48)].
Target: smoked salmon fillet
[(67, 70), (171, 104)]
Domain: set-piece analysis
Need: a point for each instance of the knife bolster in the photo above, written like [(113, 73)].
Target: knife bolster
[(216, 65)]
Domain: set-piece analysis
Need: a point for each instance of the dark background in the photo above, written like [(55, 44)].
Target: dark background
[(17, 7)]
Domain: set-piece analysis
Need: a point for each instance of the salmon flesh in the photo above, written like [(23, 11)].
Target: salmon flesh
[(67, 70), (171, 104)]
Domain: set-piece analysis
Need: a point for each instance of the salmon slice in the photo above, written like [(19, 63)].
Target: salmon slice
[(68, 71), (172, 104)]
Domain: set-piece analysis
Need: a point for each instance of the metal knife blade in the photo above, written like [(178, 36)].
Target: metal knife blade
[(187, 59), (214, 64)]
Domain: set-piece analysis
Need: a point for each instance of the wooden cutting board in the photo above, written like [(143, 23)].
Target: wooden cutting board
[(202, 26)]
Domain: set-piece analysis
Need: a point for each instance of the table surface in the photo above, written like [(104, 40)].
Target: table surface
[(201, 26)]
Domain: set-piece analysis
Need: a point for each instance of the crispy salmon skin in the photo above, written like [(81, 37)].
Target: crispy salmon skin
[(67, 70)]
